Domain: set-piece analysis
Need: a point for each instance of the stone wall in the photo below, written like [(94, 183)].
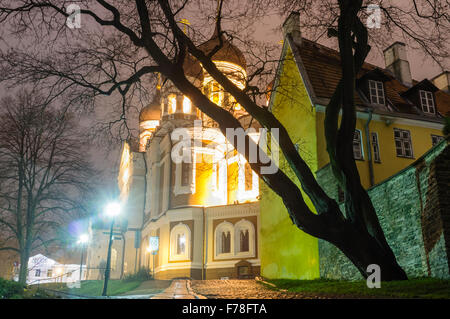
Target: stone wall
[(414, 212)]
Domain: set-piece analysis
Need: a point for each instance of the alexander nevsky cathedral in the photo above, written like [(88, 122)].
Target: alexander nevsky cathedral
[(196, 218)]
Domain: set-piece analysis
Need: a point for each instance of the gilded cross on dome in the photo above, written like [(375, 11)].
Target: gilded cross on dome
[(186, 23)]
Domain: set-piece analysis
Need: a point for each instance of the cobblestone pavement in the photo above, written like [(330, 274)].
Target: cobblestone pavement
[(243, 289), (179, 289)]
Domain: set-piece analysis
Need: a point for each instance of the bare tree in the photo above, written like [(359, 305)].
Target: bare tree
[(43, 173), (150, 29)]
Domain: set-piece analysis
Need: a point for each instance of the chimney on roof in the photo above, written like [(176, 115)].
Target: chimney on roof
[(292, 26), (397, 62), (442, 81)]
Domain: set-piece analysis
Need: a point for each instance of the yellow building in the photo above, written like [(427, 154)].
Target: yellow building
[(183, 184), (398, 120)]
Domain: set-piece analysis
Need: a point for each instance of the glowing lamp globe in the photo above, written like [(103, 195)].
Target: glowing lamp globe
[(83, 239), (112, 209)]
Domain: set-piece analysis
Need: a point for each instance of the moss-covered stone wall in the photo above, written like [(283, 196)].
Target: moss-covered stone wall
[(414, 212)]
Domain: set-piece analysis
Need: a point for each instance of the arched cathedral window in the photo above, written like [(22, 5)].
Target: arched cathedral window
[(226, 242), (245, 238), (187, 105), (224, 234), (180, 242)]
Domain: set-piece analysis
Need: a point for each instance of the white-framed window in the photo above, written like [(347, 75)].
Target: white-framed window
[(357, 145), (244, 238), (435, 139), (427, 102), (180, 243), (376, 92), (224, 240), (375, 147), (403, 143), (49, 273), (37, 273)]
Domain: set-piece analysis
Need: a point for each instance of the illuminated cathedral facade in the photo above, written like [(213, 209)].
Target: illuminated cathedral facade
[(196, 218)]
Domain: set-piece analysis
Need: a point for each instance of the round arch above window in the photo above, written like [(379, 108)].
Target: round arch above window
[(245, 240), (224, 240), (180, 243)]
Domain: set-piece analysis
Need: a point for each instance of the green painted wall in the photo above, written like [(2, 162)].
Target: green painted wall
[(286, 251)]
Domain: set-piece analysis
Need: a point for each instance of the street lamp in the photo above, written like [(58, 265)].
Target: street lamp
[(112, 210), (82, 241)]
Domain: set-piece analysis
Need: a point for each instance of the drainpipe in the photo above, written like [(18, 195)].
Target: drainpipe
[(203, 243), (369, 149)]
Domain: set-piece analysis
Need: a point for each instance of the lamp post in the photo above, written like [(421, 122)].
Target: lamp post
[(112, 210), (82, 241)]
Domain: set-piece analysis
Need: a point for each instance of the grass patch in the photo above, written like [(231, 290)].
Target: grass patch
[(95, 287), (426, 288)]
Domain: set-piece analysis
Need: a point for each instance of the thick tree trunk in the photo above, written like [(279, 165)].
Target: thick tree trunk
[(23, 269), (363, 250)]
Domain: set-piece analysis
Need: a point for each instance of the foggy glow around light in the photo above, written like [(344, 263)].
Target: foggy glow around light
[(84, 238), (112, 209), (125, 176)]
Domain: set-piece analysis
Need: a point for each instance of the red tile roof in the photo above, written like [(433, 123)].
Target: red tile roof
[(322, 65)]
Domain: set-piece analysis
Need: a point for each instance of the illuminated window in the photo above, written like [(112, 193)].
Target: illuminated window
[(236, 106), (427, 102), (216, 93), (172, 104), (376, 91), (186, 105), (181, 244), (180, 237), (49, 273)]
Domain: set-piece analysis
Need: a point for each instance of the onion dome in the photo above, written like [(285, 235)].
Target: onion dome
[(152, 111), (227, 53)]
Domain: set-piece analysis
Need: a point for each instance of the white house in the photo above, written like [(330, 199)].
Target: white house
[(42, 269)]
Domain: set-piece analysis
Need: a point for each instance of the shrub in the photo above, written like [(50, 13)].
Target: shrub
[(141, 275), (10, 289)]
